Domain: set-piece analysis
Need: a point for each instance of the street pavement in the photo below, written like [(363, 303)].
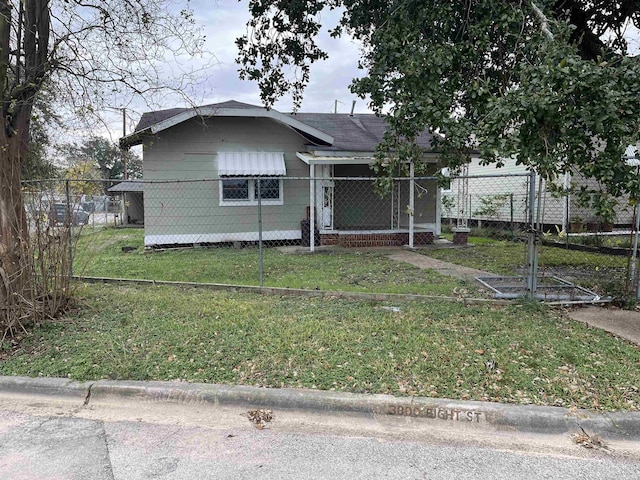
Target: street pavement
[(117, 437)]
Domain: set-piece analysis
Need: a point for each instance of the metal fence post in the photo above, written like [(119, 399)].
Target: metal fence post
[(69, 225), (532, 258), (634, 257), (511, 226), (412, 186), (312, 207), (260, 229)]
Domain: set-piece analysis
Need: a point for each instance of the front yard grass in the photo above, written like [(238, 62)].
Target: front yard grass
[(100, 254), (433, 349), (604, 273)]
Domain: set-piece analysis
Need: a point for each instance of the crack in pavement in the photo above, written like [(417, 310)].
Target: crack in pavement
[(108, 452)]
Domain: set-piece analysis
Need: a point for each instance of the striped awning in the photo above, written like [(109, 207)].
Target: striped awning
[(234, 164)]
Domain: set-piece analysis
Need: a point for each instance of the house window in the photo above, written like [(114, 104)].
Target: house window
[(243, 174), (243, 191), (236, 189), (269, 189)]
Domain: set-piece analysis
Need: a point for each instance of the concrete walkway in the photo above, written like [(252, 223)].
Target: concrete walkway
[(622, 323), (444, 268)]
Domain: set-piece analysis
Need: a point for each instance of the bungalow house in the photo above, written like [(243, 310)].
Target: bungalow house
[(207, 168)]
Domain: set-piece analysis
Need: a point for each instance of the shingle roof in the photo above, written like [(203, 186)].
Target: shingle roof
[(151, 118), (128, 186), (358, 132)]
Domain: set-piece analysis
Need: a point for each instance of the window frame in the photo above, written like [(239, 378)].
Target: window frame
[(252, 199)]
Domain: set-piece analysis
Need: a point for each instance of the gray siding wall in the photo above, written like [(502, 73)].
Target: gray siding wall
[(188, 152)]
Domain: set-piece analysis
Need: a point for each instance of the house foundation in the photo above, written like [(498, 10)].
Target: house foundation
[(390, 239)]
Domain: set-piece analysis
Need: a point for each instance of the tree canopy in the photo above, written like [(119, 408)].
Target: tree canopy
[(551, 83), (105, 156)]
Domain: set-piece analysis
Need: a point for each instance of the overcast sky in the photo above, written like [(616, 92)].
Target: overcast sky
[(223, 22)]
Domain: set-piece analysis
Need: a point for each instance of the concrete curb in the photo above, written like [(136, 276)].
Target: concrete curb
[(485, 415), (59, 387)]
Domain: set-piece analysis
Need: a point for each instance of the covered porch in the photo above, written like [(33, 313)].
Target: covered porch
[(350, 210)]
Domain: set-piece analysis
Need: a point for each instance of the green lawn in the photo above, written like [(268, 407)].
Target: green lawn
[(100, 254), (436, 349), (605, 273)]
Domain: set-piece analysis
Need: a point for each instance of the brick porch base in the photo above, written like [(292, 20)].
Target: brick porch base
[(350, 240)]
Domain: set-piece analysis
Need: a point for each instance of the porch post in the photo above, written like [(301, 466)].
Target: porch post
[(411, 202), (312, 207), (565, 204)]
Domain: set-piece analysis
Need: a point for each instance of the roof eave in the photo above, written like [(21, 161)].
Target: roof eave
[(318, 158), (302, 128)]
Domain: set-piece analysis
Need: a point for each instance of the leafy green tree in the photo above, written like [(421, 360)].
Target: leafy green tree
[(81, 173), (548, 82), (106, 156), (37, 164)]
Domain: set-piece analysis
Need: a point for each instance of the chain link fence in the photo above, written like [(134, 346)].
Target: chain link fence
[(256, 231), (569, 257)]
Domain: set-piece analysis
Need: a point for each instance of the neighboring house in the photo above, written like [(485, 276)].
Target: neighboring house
[(220, 152), (500, 194)]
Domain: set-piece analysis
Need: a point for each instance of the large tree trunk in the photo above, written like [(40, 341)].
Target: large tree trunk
[(15, 256), (24, 295)]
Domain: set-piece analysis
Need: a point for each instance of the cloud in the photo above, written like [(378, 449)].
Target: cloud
[(330, 79), (222, 22)]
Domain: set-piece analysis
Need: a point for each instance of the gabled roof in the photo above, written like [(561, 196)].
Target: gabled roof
[(149, 119), (331, 131), (155, 122)]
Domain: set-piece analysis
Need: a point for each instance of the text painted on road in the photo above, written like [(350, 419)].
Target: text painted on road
[(452, 414)]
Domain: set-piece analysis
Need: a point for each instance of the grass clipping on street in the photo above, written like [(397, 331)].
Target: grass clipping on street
[(519, 354)]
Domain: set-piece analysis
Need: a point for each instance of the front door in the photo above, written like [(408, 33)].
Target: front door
[(325, 197)]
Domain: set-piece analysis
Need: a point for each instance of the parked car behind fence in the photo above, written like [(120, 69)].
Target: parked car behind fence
[(59, 214)]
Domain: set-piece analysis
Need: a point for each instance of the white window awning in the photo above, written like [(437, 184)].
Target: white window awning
[(235, 164)]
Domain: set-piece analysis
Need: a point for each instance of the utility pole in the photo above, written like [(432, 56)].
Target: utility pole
[(124, 154)]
